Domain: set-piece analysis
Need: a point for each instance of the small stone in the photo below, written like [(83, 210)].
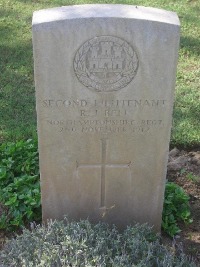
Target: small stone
[(174, 152), (172, 166), (195, 158), (182, 160), (177, 164)]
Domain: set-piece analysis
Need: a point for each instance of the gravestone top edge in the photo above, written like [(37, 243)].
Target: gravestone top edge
[(104, 11)]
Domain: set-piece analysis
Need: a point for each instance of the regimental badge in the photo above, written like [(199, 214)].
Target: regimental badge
[(106, 63)]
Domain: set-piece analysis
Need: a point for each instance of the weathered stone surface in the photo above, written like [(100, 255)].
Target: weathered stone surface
[(105, 77), (178, 163), (174, 152)]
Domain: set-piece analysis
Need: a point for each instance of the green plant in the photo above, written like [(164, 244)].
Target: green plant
[(19, 184), (190, 176), (176, 208), (83, 244), (182, 171), (20, 190)]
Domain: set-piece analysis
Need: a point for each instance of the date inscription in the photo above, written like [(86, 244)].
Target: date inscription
[(106, 126)]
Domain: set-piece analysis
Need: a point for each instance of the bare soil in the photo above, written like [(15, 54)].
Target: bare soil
[(183, 169)]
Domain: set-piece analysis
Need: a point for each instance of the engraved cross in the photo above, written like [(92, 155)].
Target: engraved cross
[(103, 166)]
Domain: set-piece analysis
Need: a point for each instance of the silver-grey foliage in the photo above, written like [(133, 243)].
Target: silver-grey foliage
[(81, 244)]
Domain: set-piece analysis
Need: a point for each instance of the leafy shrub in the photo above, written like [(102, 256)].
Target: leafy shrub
[(176, 208), (83, 244), (20, 190), (19, 184)]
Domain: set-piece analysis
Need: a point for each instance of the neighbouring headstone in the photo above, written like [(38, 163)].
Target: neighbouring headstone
[(105, 78)]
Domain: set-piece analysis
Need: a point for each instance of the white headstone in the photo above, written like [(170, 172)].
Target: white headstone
[(105, 78)]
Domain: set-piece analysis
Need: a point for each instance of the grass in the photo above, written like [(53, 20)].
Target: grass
[(17, 100)]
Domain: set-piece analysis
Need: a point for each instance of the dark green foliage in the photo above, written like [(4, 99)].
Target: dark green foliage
[(20, 190), (19, 184), (83, 244), (176, 208)]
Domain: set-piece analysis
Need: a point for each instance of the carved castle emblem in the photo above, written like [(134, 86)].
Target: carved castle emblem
[(105, 63)]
